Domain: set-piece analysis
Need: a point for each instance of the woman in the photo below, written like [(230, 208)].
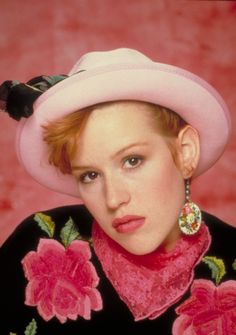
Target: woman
[(126, 135)]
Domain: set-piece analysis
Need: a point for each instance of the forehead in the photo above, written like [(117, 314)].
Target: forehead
[(113, 125), (122, 114)]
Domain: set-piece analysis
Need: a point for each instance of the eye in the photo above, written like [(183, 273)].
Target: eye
[(132, 162), (88, 177)]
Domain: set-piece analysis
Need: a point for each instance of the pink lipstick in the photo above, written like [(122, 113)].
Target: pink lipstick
[(128, 223)]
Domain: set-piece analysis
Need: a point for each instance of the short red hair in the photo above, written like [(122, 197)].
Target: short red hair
[(62, 135)]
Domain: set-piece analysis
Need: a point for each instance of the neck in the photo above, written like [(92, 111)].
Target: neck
[(172, 239)]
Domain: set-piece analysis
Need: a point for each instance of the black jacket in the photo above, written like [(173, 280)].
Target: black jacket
[(115, 316)]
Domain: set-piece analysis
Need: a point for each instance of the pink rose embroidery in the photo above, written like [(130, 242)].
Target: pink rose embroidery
[(211, 310), (62, 281)]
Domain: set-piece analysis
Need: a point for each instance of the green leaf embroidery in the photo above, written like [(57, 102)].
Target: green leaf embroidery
[(31, 329), (45, 223), (69, 233), (217, 267), (234, 264), (12, 333)]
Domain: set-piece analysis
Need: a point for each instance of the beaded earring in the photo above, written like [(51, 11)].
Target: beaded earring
[(190, 217)]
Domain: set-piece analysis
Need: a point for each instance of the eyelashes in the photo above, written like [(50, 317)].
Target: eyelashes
[(88, 177), (128, 163), (132, 162)]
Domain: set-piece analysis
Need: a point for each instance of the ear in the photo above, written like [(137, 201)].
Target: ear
[(189, 151)]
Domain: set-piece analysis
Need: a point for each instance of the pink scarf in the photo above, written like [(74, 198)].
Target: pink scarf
[(150, 284)]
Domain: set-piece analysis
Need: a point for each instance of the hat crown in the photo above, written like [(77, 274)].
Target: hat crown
[(96, 59)]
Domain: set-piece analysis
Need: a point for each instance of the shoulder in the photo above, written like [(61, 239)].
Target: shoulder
[(223, 236), (216, 224), (35, 247), (28, 232), (214, 283), (221, 255)]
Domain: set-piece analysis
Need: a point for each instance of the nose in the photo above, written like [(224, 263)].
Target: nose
[(116, 192)]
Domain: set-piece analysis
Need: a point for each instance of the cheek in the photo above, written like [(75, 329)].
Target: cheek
[(164, 174), (94, 202), (164, 186)]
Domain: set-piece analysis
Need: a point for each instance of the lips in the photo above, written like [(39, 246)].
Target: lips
[(128, 223)]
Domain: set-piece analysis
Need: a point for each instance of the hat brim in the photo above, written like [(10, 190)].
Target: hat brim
[(185, 93)]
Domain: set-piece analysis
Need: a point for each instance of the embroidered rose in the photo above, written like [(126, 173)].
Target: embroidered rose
[(211, 310), (62, 281)]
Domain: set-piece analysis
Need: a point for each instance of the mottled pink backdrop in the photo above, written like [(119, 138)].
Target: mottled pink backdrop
[(39, 37)]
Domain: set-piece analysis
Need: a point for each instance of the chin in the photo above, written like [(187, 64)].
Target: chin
[(141, 251)]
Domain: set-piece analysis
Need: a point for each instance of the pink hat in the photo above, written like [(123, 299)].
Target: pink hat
[(123, 74)]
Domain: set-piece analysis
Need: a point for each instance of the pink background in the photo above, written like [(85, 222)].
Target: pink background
[(39, 37)]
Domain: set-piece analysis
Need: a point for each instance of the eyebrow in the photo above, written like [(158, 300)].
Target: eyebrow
[(119, 152), (130, 146)]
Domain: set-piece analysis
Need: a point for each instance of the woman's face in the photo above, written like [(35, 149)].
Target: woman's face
[(127, 177)]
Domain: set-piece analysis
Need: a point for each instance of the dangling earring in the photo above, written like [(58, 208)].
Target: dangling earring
[(190, 217)]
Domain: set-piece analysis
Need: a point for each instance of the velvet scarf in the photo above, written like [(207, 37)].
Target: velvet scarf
[(150, 284)]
